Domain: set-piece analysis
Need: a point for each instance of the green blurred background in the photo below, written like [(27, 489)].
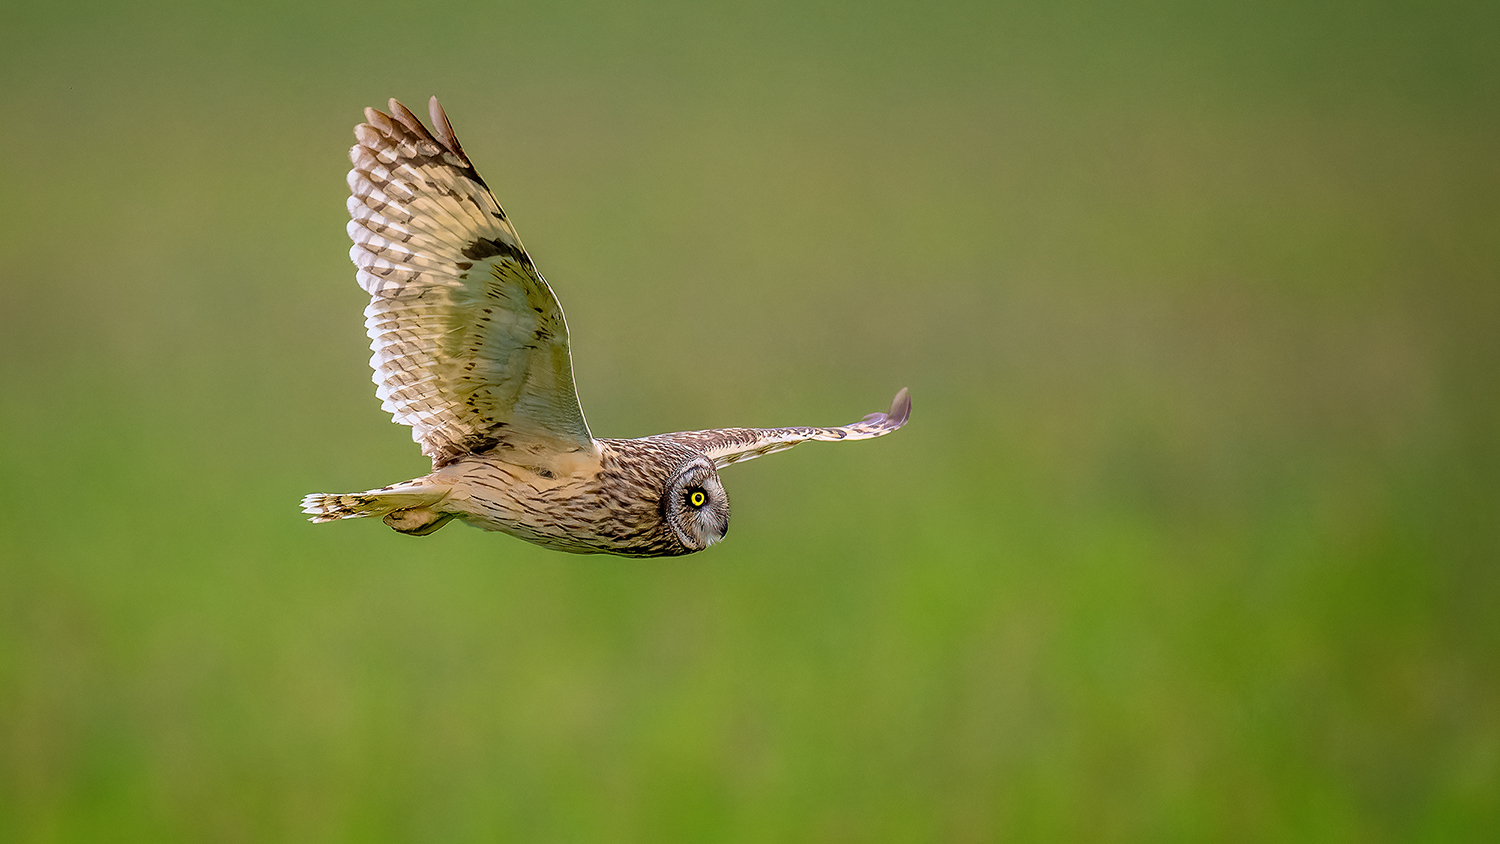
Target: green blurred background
[(1193, 535)]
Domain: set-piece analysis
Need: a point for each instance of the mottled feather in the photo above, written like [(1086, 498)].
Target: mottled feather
[(470, 344), (734, 445), (471, 350)]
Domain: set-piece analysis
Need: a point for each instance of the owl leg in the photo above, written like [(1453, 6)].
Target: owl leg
[(417, 521)]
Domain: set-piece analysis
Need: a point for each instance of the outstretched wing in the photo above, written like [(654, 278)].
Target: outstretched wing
[(471, 349), (731, 445)]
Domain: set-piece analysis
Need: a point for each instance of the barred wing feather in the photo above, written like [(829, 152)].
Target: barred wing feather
[(470, 345), (725, 446)]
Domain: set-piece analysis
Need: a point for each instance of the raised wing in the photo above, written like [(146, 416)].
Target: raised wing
[(731, 445), (471, 349)]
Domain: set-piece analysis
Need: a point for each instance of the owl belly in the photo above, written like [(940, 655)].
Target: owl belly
[(570, 513)]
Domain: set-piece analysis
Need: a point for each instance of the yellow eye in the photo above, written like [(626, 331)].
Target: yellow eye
[(697, 498)]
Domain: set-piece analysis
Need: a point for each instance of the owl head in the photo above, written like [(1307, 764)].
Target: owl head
[(695, 506)]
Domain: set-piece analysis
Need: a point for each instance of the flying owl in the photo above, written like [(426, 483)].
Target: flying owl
[(471, 351)]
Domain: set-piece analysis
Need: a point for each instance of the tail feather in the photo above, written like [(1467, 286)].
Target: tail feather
[(326, 507)]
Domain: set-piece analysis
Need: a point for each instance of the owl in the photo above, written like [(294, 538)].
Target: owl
[(471, 351)]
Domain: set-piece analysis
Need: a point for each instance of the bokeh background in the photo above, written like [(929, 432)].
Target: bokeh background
[(1193, 535)]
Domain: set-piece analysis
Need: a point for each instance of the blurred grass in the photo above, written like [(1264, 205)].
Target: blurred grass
[(1193, 534)]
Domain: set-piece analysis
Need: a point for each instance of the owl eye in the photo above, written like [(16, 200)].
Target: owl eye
[(696, 498)]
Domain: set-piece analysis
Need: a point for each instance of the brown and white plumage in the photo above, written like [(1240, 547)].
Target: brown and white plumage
[(471, 351), (733, 445), (470, 343)]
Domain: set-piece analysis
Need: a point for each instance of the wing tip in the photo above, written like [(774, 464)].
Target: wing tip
[(413, 124), (442, 126), (879, 424), (441, 132), (900, 410)]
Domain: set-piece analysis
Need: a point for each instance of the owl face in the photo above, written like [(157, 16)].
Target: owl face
[(695, 505)]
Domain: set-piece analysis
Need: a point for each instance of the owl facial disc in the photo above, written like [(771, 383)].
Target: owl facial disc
[(695, 505)]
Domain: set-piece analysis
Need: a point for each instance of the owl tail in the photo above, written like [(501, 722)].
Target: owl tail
[(407, 507)]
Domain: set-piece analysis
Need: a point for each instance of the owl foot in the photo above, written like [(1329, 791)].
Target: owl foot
[(418, 521)]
